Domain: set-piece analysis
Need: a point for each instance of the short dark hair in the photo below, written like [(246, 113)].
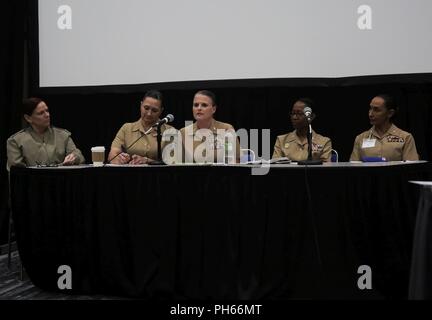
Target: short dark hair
[(154, 94), (30, 104), (307, 101), (209, 94)]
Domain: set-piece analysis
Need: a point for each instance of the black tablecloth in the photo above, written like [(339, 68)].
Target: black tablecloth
[(210, 232), (421, 264)]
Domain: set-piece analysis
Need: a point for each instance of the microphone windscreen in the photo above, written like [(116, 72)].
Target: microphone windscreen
[(170, 118), (307, 111)]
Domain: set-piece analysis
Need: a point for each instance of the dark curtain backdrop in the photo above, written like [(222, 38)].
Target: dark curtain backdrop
[(94, 118), (12, 35), (342, 112)]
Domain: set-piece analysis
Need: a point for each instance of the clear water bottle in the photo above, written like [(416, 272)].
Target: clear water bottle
[(229, 153)]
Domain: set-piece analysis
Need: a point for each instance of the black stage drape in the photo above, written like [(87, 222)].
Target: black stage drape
[(342, 112), (12, 35), (218, 232)]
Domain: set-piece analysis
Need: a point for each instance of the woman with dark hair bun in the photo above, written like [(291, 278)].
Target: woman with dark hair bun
[(136, 142), (384, 141), (40, 143)]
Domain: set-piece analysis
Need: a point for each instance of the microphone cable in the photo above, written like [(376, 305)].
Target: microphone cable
[(128, 147)]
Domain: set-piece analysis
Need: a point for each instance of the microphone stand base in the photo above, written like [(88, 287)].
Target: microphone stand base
[(157, 163), (309, 162)]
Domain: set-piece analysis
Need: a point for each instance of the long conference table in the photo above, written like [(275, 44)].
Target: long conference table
[(218, 232)]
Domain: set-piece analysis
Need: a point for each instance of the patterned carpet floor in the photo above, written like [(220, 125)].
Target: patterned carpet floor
[(17, 286)]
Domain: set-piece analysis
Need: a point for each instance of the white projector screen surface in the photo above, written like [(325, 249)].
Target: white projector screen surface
[(115, 42)]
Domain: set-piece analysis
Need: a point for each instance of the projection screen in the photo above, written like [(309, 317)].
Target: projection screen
[(117, 42)]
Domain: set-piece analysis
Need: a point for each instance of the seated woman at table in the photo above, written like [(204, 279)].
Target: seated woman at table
[(206, 133), (40, 143), (294, 145), (136, 142), (384, 140)]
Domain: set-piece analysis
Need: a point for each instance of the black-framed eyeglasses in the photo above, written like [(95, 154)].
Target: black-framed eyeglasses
[(298, 114)]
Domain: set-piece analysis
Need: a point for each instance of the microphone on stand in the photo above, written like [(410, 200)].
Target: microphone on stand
[(167, 119), (309, 116)]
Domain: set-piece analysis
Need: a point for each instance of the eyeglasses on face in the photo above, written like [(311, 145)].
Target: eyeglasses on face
[(298, 114)]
